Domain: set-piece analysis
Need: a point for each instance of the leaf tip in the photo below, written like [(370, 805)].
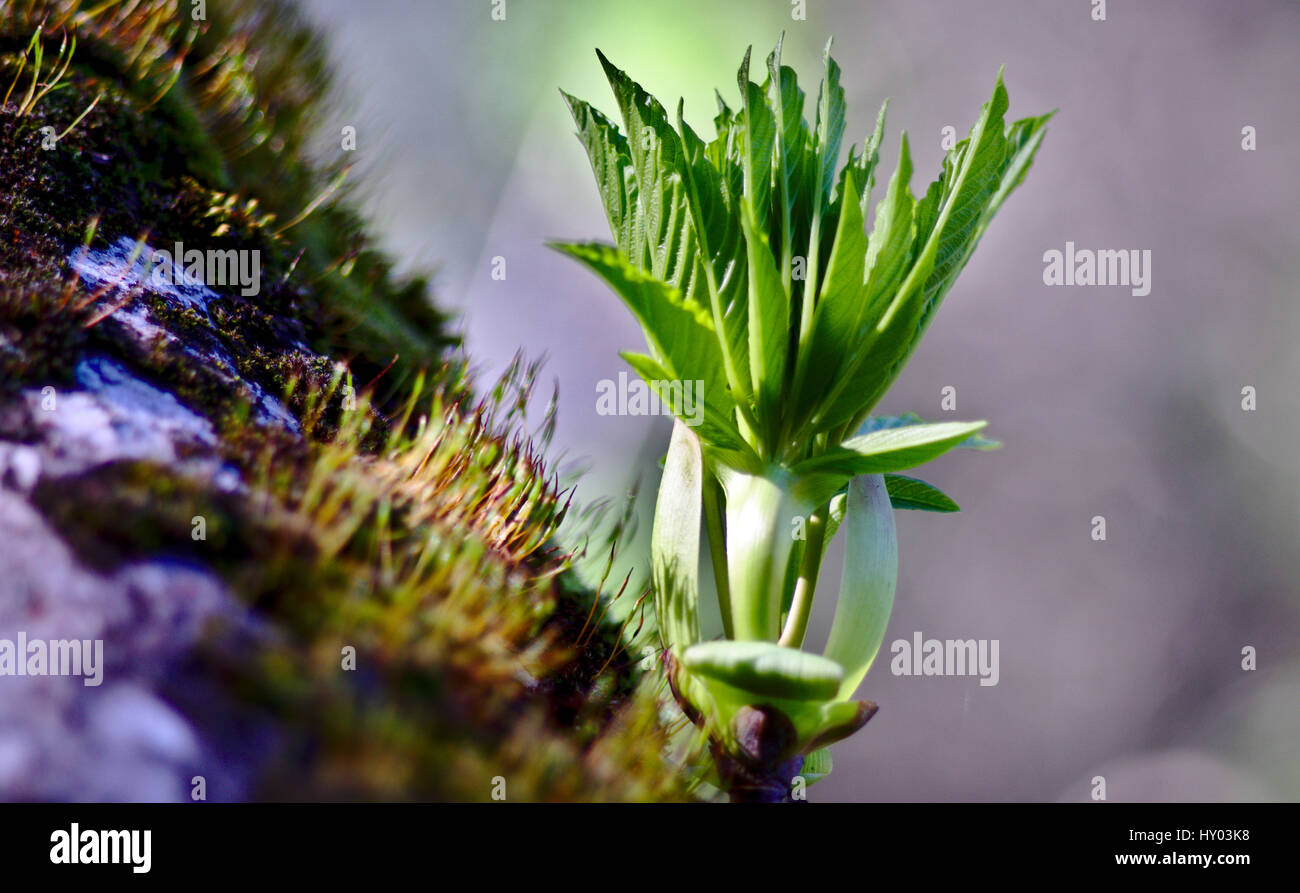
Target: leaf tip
[(742, 74)]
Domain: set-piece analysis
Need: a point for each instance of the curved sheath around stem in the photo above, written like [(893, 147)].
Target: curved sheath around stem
[(867, 584), (675, 541)]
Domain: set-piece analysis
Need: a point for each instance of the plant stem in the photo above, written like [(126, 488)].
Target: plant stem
[(758, 547), (796, 625), (93, 103)]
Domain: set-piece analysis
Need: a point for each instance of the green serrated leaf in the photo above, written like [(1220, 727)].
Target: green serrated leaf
[(712, 220), (892, 449), (653, 148), (716, 427), (839, 308), (871, 155), (978, 174), (913, 493), (822, 157), (891, 235), (887, 256), (788, 156), (678, 329), (1023, 140), (976, 441), (709, 198), (769, 321), (829, 127), (972, 176), (756, 136), (612, 166)]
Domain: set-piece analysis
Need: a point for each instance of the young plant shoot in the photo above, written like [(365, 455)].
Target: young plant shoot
[(748, 263)]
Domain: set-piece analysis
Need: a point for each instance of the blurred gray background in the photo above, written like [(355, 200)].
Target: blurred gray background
[(1120, 658)]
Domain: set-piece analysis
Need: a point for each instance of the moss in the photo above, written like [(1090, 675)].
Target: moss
[(134, 170), (405, 519), (128, 511), (474, 638)]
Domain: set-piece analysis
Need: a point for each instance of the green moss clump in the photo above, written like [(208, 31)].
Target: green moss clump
[(400, 517)]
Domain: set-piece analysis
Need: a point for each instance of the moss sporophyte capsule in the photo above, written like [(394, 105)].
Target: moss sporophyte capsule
[(748, 263)]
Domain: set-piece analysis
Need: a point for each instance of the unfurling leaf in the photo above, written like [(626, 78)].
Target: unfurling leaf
[(766, 669), (748, 263)]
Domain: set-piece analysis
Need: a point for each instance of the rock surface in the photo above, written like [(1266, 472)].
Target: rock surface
[(122, 738), (118, 739)]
